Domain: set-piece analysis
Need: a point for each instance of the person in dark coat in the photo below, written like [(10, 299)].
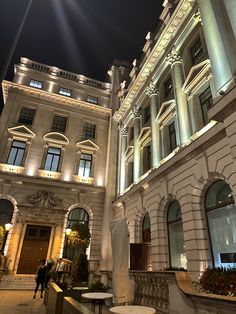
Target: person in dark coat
[(40, 278)]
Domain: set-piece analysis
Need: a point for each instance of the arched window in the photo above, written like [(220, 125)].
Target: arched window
[(77, 215), (6, 212), (146, 229), (221, 217), (176, 236)]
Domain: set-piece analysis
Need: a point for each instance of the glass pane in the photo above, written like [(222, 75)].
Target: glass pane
[(222, 227), (174, 211), (19, 157), (177, 247), (48, 162), (54, 150), (12, 156), (219, 194), (18, 144), (81, 167), (55, 163), (146, 222), (87, 169)]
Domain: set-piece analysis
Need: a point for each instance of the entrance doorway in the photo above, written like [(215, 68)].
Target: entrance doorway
[(35, 248)]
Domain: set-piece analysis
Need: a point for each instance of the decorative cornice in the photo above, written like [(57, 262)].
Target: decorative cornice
[(176, 20), (173, 57), (151, 89), (26, 90)]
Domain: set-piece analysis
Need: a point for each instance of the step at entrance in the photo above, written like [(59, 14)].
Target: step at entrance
[(17, 282)]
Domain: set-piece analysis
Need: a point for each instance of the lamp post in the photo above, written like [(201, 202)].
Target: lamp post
[(7, 228), (15, 41)]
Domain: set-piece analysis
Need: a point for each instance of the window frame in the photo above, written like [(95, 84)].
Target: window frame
[(24, 120), (65, 92), (57, 126), (52, 161), (206, 103), (89, 161), (92, 99), (89, 130), (36, 83), (16, 154), (171, 132), (196, 58)]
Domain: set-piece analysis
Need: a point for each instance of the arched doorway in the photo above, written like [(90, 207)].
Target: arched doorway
[(176, 236), (76, 216), (221, 216)]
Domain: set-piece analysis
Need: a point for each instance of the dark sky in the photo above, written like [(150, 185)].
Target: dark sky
[(81, 36)]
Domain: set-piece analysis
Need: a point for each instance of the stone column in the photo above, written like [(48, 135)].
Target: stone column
[(220, 40), (123, 147), (136, 113), (230, 6), (153, 93), (182, 110)]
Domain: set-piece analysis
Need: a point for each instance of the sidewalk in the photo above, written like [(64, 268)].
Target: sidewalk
[(19, 302)]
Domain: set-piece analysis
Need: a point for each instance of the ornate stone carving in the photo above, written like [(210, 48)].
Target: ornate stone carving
[(197, 17), (136, 112), (173, 56), (44, 199), (123, 130), (151, 89)]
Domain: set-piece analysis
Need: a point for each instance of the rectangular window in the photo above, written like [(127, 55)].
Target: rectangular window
[(147, 114), (168, 87), (172, 134), (206, 102), (89, 130), (85, 165), (36, 84), (196, 51), (52, 159), (92, 99), (65, 92), (59, 124), (26, 116), (16, 153)]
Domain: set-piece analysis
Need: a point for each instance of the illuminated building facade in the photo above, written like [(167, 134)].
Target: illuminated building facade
[(157, 147)]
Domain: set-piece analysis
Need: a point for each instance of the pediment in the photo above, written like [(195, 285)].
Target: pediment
[(166, 107), (196, 74), (57, 138), (145, 133), (129, 151), (87, 144), (21, 131)]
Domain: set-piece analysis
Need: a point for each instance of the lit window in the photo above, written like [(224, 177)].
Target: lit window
[(65, 91), (16, 153), (85, 165), (206, 102), (77, 216), (52, 159), (172, 135), (36, 84), (26, 116), (196, 51), (168, 87), (89, 130), (176, 236), (92, 99), (59, 124)]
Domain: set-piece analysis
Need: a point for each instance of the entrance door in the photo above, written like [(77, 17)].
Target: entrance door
[(35, 248)]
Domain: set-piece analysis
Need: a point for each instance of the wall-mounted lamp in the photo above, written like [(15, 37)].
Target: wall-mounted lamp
[(68, 231), (8, 226)]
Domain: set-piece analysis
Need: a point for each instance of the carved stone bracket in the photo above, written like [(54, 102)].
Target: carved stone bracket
[(123, 130)]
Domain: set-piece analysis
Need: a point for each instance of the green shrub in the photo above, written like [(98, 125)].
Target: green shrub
[(219, 281)]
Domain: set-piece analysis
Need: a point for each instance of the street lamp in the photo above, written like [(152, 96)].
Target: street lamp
[(15, 41), (7, 228)]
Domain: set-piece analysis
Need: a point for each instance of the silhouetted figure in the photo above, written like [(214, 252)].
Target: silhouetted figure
[(40, 277), (60, 269)]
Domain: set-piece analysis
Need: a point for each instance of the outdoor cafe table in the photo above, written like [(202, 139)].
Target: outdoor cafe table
[(132, 309), (98, 297)]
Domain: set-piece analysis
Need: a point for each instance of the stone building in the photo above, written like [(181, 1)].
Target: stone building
[(157, 146)]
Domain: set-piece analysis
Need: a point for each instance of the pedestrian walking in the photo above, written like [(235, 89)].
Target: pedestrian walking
[(40, 277), (60, 269)]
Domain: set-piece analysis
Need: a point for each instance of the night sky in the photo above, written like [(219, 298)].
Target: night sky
[(81, 36)]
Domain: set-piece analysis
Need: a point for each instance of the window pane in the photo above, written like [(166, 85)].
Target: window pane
[(26, 116), (65, 92), (92, 99), (36, 84), (19, 157), (177, 247), (48, 162), (89, 130), (54, 150), (55, 163), (222, 227), (59, 123), (87, 169)]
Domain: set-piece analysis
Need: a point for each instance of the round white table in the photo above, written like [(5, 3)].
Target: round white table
[(98, 297), (130, 309)]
